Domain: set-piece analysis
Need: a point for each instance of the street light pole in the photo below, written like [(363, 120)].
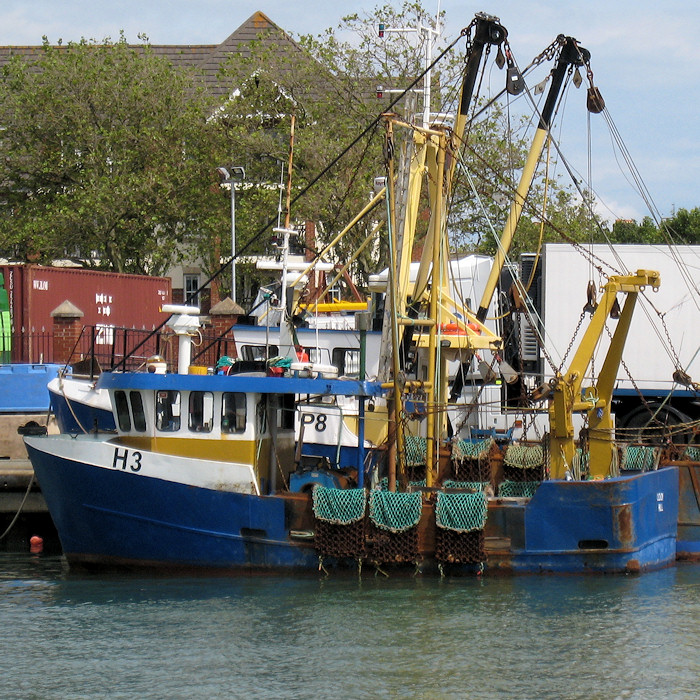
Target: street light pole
[(233, 241), (230, 178)]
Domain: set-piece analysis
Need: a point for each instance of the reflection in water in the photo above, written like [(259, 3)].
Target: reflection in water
[(65, 635)]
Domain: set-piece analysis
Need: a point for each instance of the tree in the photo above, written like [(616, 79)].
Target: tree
[(684, 226), (496, 145), (106, 156), (629, 231), (110, 154), (329, 111)]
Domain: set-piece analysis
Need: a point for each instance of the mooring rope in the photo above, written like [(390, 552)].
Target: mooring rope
[(21, 505)]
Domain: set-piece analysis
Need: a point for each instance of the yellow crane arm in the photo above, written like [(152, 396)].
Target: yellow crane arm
[(567, 396)]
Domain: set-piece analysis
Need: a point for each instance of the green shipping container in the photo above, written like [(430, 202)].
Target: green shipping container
[(5, 324)]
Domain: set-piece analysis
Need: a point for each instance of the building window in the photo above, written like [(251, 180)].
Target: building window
[(191, 286)]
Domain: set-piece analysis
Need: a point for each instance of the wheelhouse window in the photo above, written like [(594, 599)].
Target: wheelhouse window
[(347, 361), (233, 412), (168, 411), (285, 419), (137, 411), (259, 352), (122, 407), (320, 355), (201, 412)]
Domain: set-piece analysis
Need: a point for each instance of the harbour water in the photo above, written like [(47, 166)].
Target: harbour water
[(65, 635)]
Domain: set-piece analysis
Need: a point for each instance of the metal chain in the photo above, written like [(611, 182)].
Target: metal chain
[(674, 354), (467, 32), (629, 375), (550, 52), (573, 338)]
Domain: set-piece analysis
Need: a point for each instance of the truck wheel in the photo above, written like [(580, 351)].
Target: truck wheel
[(652, 425)]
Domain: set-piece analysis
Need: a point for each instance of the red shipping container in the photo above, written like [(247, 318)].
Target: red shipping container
[(106, 298)]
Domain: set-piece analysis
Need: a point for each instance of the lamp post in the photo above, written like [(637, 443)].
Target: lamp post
[(237, 174)]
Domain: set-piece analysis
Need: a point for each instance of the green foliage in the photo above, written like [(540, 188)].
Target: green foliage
[(629, 231), (684, 226), (329, 113), (105, 156), (109, 154)]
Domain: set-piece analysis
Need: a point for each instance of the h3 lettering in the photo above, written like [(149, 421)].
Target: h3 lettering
[(122, 460)]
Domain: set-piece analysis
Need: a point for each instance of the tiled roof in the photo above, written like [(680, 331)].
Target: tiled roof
[(207, 59)]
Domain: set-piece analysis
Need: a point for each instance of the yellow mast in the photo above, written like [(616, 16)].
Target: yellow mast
[(429, 156), (570, 54)]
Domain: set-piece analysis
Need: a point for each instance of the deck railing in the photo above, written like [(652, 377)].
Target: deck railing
[(113, 347)]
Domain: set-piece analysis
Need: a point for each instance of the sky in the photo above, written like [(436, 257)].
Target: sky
[(643, 54)]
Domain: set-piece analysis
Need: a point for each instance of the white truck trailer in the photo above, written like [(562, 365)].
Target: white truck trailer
[(662, 354)]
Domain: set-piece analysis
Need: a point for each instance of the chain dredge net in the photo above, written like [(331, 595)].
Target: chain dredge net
[(523, 463), (517, 489), (339, 506), (340, 522), (395, 512), (461, 512), (640, 458)]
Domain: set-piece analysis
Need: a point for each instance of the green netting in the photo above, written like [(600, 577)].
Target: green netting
[(395, 512), (339, 506), (524, 456), (474, 485), (692, 453), (517, 489), (462, 449), (284, 362), (415, 449), (640, 458), (225, 361), (461, 512), (384, 484), (581, 459)]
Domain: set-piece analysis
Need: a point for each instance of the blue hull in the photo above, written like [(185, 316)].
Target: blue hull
[(625, 524), (688, 546), (73, 416), (110, 517)]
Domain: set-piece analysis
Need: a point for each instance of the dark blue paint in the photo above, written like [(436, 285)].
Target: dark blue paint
[(238, 382), (115, 516), (78, 416)]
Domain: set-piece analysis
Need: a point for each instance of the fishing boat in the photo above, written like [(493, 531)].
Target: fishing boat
[(207, 472)]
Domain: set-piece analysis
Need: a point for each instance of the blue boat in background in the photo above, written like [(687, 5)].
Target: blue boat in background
[(23, 387)]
